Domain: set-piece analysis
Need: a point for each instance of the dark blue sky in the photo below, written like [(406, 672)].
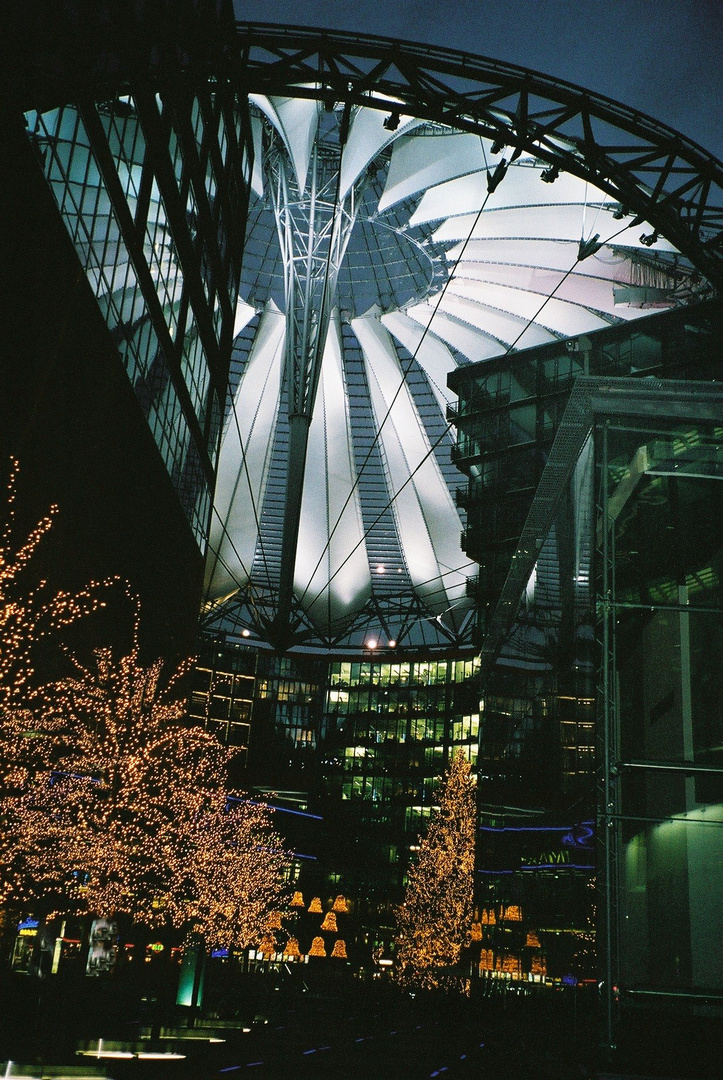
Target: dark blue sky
[(663, 57)]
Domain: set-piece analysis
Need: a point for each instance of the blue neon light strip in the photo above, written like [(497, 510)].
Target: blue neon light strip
[(533, 828), (542, 866), (286, 810), (58, 774), (273, 806)]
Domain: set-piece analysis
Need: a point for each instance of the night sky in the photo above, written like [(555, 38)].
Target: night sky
[(663, 57)]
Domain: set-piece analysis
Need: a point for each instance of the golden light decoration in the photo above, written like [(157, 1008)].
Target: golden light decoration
[(267, 946), (115, 805), (315, 906), (433, 921), (329, 922), (274, 921), (538, 966), (512, 913), (291, 948), (533, 940), (340, 906), (32, 621), (486, 960), (113, 824), (317, 947), (229, 871), (297, 900), (476, 931), (339, 950)]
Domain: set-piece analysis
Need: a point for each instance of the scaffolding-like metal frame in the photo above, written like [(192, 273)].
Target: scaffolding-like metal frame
[(655, 173)]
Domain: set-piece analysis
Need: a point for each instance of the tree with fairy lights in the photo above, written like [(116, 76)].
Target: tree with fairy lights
[(110, 803), (126, 779), (32, 620), (132, 817), (229, 872), (433, 920)]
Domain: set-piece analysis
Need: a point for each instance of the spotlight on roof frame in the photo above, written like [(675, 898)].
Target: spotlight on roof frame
[(495, 179), (649, 238), (245, 633), (550, 175), (371, 643), (392, 121), (588, 247), (620, 212), (392, 644), (497, 147)]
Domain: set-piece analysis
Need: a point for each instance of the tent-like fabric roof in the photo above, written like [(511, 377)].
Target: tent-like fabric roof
[(449, 254)]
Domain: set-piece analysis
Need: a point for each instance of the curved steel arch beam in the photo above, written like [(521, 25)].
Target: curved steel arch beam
[(657, 174)]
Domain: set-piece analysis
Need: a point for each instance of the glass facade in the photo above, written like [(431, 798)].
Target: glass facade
[(136, 181), (362, 745), (608, 634), (390, 729), (536, 766), (509, 410), (660, 603), (287, 717), (222, 695)]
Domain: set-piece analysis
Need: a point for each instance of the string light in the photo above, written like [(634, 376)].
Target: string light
[(433, 921), (113, 804), (31, 618), (267, 947)]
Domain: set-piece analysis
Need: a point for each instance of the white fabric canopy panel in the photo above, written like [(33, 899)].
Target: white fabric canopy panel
[(244, 460), (427, 519), (332, 567)]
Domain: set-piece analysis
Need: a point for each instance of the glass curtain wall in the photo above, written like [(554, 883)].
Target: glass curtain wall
[(510, 408), (150, 194), (389, 730), (659, 537), (612, 615)]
